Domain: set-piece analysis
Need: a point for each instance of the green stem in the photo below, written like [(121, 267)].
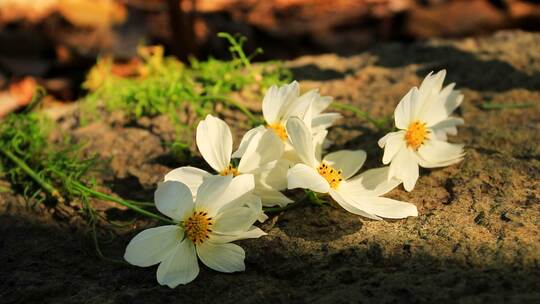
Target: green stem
[(119, 201), (500, 106), (41, 182), (236, 104), (340, 106)]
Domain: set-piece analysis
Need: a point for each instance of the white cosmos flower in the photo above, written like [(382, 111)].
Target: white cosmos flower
[(260, 158), (281, 103), (423, 119), (224, 211), (334, 175)]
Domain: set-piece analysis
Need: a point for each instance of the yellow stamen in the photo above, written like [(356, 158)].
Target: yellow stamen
[(279, 129), (331, 175), (229, 170), (198, 227), (416, 134)]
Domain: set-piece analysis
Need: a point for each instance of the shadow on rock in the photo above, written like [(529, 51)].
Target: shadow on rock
[(319, 223), (465, 68)]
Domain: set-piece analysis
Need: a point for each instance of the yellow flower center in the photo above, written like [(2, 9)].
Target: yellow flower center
[(197, 227), (331, 175), (416, 134), (229, 170), (279, 129)]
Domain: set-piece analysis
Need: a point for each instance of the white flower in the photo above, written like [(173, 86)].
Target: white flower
[(281, 103), (359, 195), (423, 119), (223, 211), (260, 158)]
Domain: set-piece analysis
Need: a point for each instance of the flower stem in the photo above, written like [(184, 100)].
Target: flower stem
[(41, 182), (230, 101), (128, 204), (379, 124)]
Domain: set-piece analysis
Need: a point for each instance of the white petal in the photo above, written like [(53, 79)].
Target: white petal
[(385, 207), (235, 220), (238, 188), (253, 233), (299, 108), (180, 267), (302, 140), (324, 121), (277, 100), (302, 176), (214, 140), (248, 136), (263, 148), (174, 199), (153, 245), (348, 161), (319, 140), (348, 205), (394, 142), (210, 193), (222, 257), (271, 197), (405, 168), (320, 103), (374, 182), (404, 112), (437, 152), (274, 174), (190, 176), (448, 125)]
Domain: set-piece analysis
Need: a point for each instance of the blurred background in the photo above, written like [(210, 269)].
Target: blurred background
[(53, 43)]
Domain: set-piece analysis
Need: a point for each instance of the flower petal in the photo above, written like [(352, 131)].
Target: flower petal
[(439, 153), (239, 187), (214, 141), (263, 148), (271, 197), (302, 140), (174, 199), (324, 121), (235, 220), (404, 167), (384, 207), (253, 233), (153, 245), (277, 100), (374, 182), (190, 176), (248, 136), (210, 193), (222, 257), (348, 205), (393, 143), (302, 176), (180, 267), (348, 161), (404, 112)]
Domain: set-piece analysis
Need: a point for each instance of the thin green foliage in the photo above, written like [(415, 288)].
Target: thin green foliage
[(501, 106), (163, 85)]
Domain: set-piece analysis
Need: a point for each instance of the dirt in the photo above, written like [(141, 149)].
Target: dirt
[(476, 238)]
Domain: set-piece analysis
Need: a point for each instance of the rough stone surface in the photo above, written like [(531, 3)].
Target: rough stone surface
[(476, 238)]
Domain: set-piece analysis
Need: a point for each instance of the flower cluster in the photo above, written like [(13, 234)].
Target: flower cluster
[(212, 209)]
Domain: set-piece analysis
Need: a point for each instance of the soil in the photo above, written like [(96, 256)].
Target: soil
[(476, 238)]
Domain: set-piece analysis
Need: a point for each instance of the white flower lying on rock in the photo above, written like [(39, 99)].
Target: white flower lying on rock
[(423, 117), (359, 195), (260, 157), (280, 104), (224, 211)]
